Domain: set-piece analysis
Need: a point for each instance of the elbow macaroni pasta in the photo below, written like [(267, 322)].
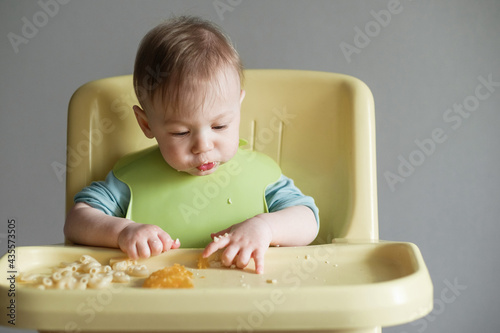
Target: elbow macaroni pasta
[(138, 271), (86, 273)]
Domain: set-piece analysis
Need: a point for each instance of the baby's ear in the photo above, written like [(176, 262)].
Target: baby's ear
[(242, 95), (142, 120)]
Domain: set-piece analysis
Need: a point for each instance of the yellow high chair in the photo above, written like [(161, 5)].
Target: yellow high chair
[(320, 129)]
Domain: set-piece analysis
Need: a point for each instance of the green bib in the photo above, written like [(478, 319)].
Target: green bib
[(191, 207)]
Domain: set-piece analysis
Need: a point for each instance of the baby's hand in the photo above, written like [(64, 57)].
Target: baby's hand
[(144, 240), (245, 240)]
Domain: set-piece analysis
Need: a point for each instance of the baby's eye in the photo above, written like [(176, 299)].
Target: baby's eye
[(219, 127), (179, 133)]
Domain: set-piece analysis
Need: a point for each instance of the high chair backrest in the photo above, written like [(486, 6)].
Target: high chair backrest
[(318, 126)]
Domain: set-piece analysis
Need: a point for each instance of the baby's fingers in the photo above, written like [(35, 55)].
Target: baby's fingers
[(167, 242), (155, 246), (243, 258), (131, 251), (258, 257), (229, 255), (214, 246), (142, 250)]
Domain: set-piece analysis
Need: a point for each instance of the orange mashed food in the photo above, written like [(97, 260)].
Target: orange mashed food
[(176, 276), (203, 263), (214, 261)]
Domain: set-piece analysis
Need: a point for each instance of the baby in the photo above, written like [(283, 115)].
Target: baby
[(196, 185)]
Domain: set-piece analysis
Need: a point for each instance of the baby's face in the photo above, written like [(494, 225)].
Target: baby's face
[(205, 132)]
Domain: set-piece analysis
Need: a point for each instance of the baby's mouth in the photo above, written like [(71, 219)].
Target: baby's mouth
[(207, 166)]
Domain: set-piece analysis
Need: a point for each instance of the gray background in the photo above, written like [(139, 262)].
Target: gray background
[(420, 63)]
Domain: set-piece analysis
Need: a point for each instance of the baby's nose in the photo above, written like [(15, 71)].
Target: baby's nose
[(202, 144)]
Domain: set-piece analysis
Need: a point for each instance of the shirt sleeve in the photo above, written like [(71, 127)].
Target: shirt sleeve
[(110, 196), (284, 193)]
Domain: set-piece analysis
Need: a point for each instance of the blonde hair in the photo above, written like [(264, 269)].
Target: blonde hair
[(180, 56)]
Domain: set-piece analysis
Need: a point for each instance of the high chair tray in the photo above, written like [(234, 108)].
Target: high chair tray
[(333, 286)]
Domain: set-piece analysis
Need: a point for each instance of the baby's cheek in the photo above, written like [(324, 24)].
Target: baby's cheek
[(231, 150), (174, 159)]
